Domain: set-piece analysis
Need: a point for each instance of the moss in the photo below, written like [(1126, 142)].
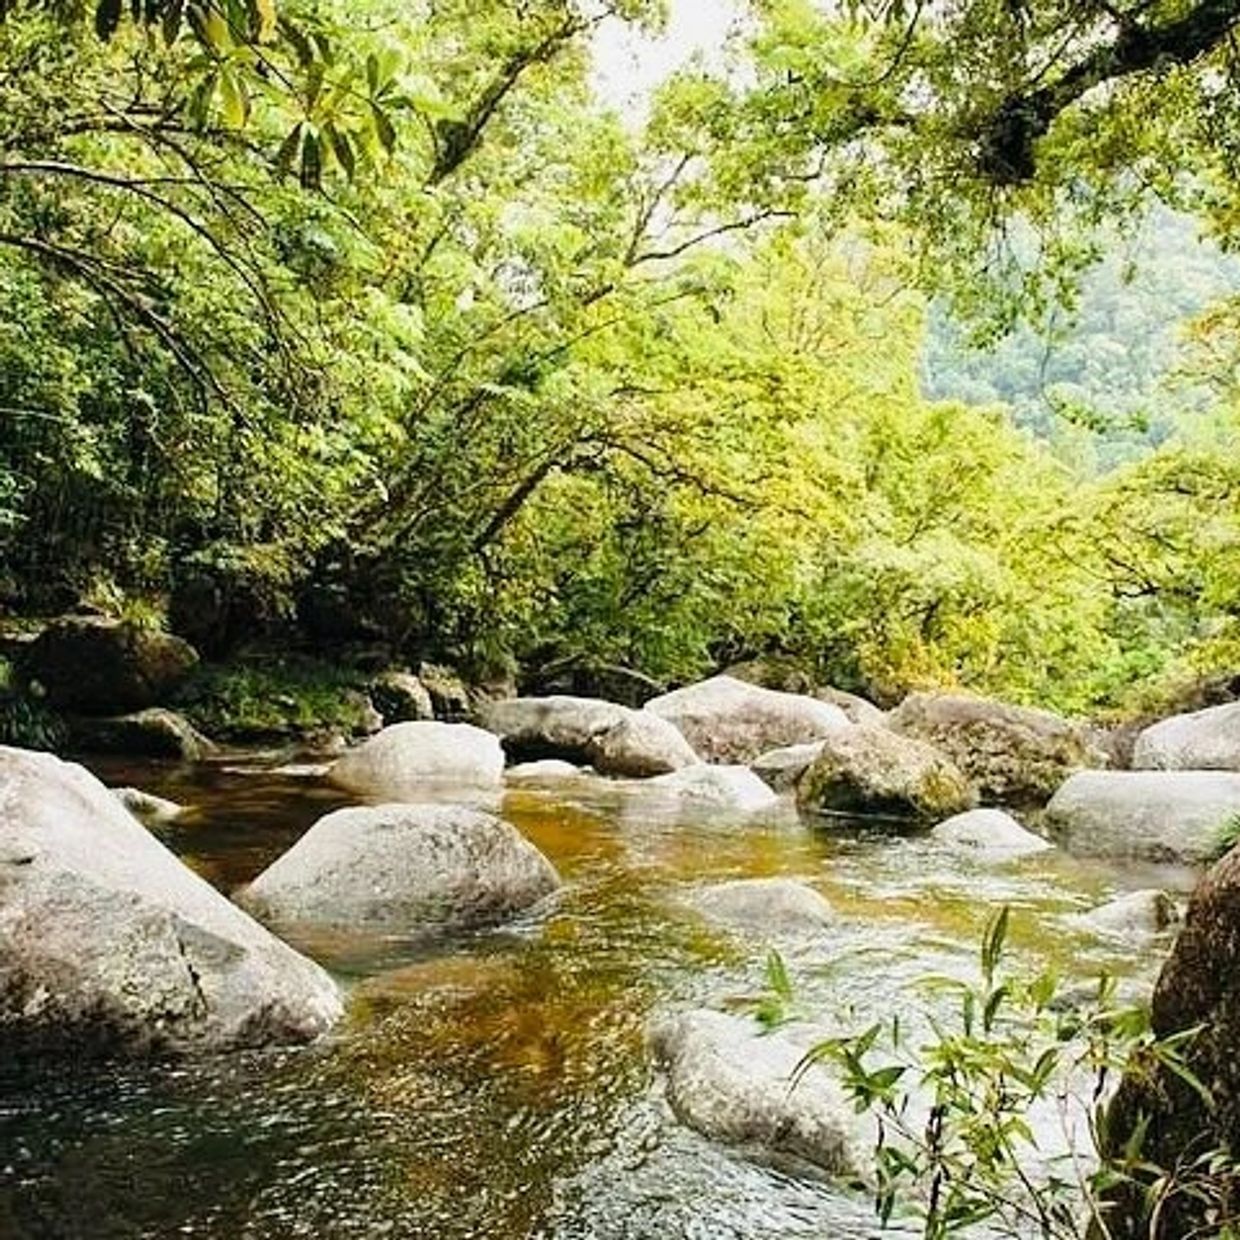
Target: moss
[(263, 697)]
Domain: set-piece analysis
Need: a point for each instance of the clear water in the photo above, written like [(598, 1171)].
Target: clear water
[(499, 1086)]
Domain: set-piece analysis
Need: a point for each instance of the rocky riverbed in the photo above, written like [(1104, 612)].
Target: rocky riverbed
[(500, 1081)]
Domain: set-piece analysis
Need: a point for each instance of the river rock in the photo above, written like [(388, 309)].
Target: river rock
[(1206, 740), (858, 709), (733, 1085), (402, 759), (1156, 815), (778, 906), (728, 721), (790, 675), (733, 788), (550, 727), (781, 768), (449, 695), (865, 770), (1012, 753), (109, 944), (148, 808), (402, 869), (92, 666), (1198, 988), (638, 746), (400, 697), (1135, 915), (989, 833), (546, 771), (581, 678), (152, 733)]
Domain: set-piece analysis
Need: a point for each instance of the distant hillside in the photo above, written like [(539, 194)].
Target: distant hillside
[(1110, 364)]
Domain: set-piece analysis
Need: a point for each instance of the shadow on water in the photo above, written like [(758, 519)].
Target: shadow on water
[(498, 1087)]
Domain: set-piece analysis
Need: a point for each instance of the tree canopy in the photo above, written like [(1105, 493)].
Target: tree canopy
[(373, 324)]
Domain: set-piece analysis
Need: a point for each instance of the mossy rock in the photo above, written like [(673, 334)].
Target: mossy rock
[(866, 770)]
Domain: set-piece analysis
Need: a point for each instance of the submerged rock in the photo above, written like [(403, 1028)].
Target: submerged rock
[(639, 746), (549, 770), (866, 770), (1176, 816), (91, 666), (776, 906), (403, 869), (146, 807), (109, 944), (402, 759), (1136, 915), (1012, 753), (989, 833), (734, 788), (728, 721), (732, 1085), (1206, 740)]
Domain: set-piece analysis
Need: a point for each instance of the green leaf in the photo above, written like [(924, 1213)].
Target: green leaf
[(342, 148), (385, 131), (234, 101), (311, 159), (286, 157)]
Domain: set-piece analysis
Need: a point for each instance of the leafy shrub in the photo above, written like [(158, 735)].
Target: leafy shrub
[(956, 1146)]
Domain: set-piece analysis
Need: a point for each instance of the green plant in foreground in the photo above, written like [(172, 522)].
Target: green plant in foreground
[(963, 1111)]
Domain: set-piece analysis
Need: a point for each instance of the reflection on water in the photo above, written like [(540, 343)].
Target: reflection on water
[(498, 1087)]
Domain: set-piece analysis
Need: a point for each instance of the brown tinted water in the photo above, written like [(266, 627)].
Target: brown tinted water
[(499, 1086)]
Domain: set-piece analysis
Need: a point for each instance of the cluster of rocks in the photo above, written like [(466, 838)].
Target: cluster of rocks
[(181, 967), (107, 678)]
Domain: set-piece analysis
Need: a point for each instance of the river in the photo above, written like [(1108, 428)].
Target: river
[(499, 1086)]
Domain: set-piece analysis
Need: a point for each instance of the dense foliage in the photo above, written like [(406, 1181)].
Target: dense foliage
[(375, 325)]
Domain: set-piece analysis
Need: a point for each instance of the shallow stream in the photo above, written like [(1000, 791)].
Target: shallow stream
[(499, 1086)]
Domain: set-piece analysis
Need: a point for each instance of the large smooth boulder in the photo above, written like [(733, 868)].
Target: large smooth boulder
[(151, 733), (638, 746), (402, 869), (735, 789), (551, 727), (1198, 989), (1206, 740), (767, 906), (1157, 815), (109, 944), (1012, 753), (781, 768), (990, 834), (401, 760), (400, 697), (728, 721), (871, 771), (733, 1085), (90, 666)]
